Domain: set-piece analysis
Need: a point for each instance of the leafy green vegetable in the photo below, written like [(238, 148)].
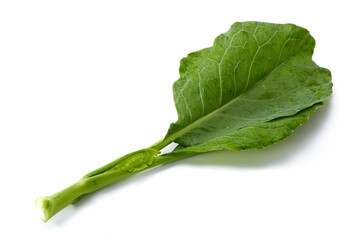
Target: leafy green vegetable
[(251, 89)]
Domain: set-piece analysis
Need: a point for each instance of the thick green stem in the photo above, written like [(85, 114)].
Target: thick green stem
[(49, 206)]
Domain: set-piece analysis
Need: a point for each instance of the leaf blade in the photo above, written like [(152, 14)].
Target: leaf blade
[(232, 78)]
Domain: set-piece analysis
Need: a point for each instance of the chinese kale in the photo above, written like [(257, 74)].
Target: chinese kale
[(252, 88)]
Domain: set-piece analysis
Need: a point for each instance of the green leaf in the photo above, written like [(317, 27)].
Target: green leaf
[(254, 73), (256, 136)]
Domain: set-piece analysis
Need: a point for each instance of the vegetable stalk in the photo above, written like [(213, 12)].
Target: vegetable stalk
[(122, 167)]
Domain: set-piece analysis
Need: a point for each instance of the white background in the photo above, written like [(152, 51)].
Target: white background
[(84, 82)]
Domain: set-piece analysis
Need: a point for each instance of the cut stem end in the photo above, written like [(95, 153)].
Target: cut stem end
[(43, 207)]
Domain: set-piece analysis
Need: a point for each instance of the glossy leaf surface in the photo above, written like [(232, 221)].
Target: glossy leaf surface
[(254, 73)]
